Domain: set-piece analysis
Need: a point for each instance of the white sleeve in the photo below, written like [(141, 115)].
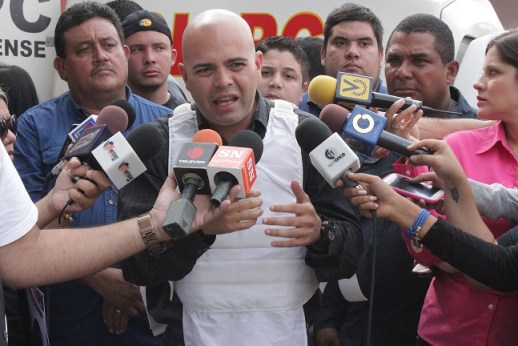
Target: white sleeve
[(17, 212), (495, 200)]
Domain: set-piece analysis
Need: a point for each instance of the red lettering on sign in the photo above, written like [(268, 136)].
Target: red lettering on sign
[(304, 21), (180, 23)]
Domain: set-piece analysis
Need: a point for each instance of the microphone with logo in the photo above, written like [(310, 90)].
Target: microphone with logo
[(235, 165), (121, 158), (328, 153), (190, 169), (111, 119), (348, 90), (364, 129), (77, 129)]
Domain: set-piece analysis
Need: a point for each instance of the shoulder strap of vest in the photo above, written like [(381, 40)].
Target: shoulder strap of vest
[(284, 105), (183, 108)]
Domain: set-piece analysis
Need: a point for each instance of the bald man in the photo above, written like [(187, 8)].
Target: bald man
[(244, 278)]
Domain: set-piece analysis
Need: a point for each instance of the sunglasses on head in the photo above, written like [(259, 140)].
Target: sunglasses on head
[(6, 125)]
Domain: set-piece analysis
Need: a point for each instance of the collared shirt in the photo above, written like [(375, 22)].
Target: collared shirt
[(75, 309), (455, 312)]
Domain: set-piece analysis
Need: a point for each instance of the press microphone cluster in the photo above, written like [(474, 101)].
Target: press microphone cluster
[(363, 129), (206, 167), (328, 153), (190, 169), (112, 117), (348, 90)]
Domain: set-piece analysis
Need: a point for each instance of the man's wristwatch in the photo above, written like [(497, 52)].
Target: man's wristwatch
[(147, 231)]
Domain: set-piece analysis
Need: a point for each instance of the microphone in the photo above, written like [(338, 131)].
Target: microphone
[(364, 129), (190, 169), (235, 165), (111, 119), (121, 158), (328, 153), (128, 108), (348, 90)]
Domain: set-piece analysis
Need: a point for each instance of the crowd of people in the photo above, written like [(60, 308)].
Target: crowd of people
[(250, 271)]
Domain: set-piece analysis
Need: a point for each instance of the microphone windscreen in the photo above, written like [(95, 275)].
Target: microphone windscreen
[(114, 117), (130, 111), (207, 136), (310, 133), (249, 139), (146, 141), (334, 116), (321, 90)]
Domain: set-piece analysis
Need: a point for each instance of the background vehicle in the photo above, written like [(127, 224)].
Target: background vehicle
[(28, 25)]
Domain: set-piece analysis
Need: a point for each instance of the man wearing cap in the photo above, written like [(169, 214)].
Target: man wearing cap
[(151, 56)]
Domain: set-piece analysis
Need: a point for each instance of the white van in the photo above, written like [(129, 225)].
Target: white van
[(28, 25)]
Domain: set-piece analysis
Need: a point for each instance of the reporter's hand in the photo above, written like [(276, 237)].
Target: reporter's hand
[(403, 123), (443, 162), (376, 196), (83, 191)]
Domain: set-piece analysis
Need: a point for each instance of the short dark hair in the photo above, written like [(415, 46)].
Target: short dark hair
[(507, 46), (312, 45), (18, 87), (78, 14), (426, 23), (350, 12), (124, 8), (286, 44)]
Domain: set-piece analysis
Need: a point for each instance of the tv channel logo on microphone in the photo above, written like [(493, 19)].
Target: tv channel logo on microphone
[(363, 129), (354, 89)]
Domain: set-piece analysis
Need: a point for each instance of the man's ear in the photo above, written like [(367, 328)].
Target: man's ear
[(59, 66), (452, 69)]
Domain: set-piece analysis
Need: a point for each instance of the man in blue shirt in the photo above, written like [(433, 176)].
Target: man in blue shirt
[(92, 59)]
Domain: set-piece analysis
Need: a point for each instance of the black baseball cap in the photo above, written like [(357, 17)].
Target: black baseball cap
[(145, 21)]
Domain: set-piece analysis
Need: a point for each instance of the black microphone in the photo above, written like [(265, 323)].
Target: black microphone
[(364, 129), (348, 90), (235, 165), (190, 170), (328, 153)]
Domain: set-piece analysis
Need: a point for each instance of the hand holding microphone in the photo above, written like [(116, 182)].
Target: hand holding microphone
[(190, 169), (349, 90), (364, 129)]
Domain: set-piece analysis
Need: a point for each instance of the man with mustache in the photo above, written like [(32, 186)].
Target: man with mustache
[(92, 59)]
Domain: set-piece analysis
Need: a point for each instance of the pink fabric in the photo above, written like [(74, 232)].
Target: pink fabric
[(455, 312)]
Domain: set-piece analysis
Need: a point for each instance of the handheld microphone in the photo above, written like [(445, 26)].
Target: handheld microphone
[(121, 158), (128, 108), (190, 169), (235, 165), (111, 119), (328, 153), (349, 90), (364, 129)]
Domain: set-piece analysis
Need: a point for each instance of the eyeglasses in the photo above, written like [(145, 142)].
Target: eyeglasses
[(6, 125)]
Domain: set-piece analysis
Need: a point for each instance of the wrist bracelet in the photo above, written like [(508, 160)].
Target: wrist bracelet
[(413, 231)]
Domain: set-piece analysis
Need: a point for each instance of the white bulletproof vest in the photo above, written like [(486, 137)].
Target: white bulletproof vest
[(242, 272)]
